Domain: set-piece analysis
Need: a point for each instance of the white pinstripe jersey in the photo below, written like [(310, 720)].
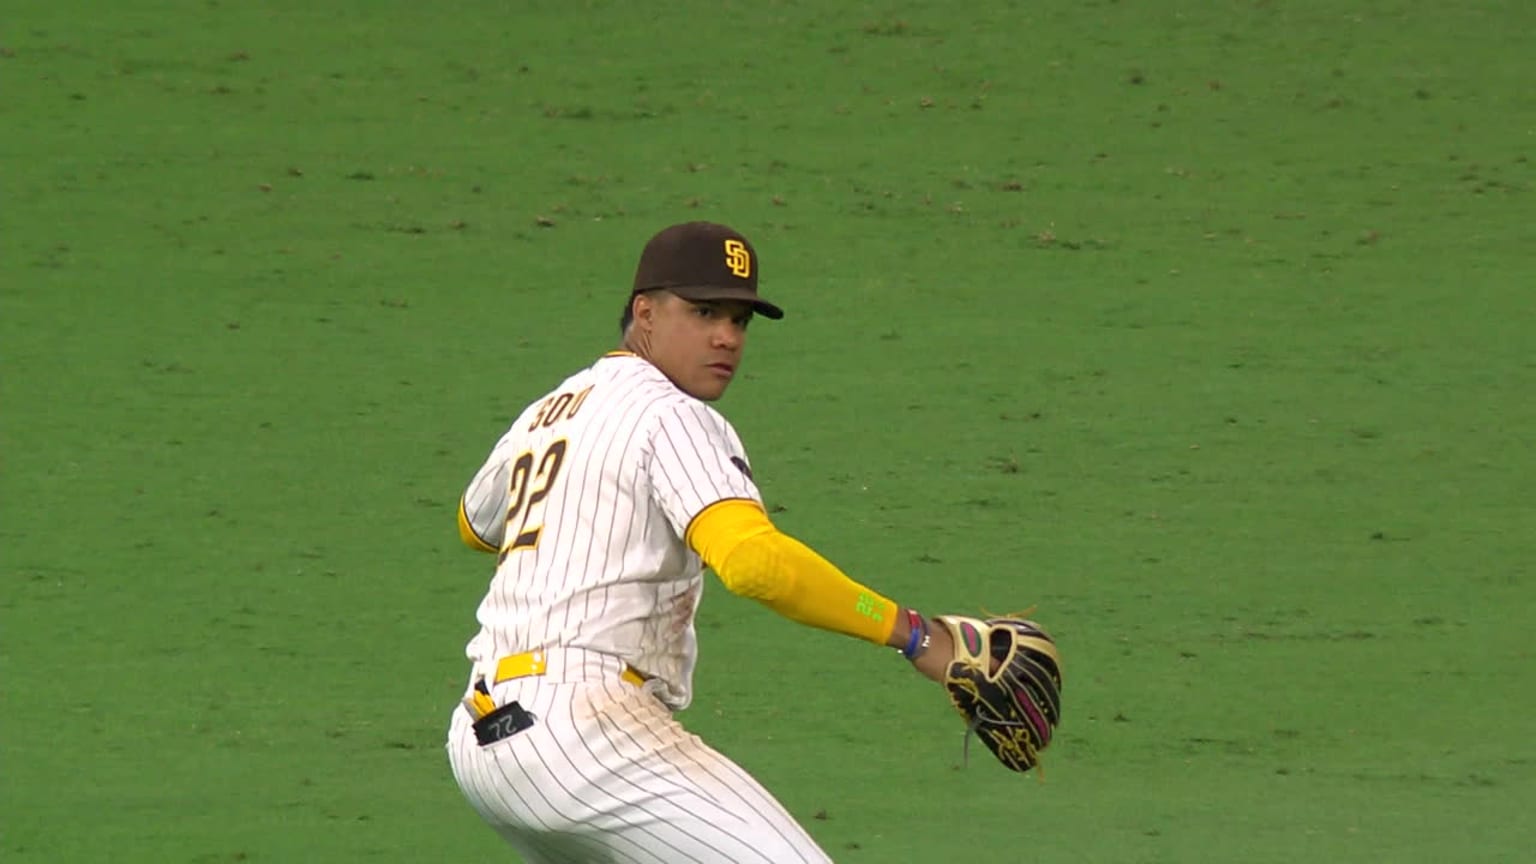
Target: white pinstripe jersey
[(588, 496)]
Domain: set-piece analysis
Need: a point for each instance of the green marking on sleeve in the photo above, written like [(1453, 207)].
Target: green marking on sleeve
[(866, 607)]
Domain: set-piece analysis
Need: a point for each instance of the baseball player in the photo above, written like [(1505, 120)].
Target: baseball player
[(603, 503)]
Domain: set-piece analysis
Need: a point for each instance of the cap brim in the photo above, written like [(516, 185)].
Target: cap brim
[(712, 292)]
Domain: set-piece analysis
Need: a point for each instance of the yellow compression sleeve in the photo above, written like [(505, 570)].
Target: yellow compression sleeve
[(756, 560), (468, 535)]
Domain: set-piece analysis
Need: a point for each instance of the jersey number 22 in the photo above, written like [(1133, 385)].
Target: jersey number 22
[(522, 526)]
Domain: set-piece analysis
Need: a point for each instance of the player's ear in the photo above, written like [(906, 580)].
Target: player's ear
[(643, 309)]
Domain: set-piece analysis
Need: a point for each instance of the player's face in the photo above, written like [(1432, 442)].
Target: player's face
[(698, 345)]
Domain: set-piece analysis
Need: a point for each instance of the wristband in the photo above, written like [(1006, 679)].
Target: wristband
[(919, 639)]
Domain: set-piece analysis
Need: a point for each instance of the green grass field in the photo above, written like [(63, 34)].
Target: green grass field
[(1207, 328)]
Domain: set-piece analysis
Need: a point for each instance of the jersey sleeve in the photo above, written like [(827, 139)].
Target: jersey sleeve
[(696, 460), (754, 559), (483, 507)]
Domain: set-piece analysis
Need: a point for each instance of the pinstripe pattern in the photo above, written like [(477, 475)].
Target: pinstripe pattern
[(606, 774), (610, 571)]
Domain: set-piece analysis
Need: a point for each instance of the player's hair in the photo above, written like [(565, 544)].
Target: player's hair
[(628, 316)]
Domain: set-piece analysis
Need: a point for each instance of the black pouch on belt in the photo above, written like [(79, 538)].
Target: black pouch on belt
[(504, 722)]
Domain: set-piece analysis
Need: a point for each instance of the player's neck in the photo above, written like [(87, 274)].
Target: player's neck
[(636, 343)]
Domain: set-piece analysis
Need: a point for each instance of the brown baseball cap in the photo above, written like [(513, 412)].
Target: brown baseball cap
[(702, 261)]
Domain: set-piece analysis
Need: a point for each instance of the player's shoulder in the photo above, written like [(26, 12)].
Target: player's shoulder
[(638, 380), (681, 413), (580, 380), (658, 402)]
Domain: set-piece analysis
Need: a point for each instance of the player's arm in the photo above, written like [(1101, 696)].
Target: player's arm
[(701, 480), (755, 559), (483, 507)]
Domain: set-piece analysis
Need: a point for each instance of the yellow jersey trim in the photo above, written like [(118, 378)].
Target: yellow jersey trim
[(467, 532)]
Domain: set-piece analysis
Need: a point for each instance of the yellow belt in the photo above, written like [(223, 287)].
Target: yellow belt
[(533, 663), (524, 665)]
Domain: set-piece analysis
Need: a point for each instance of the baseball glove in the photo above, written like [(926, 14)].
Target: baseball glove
[(1005, 680)]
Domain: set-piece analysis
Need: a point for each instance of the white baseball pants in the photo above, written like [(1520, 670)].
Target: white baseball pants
[(606, 775)]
